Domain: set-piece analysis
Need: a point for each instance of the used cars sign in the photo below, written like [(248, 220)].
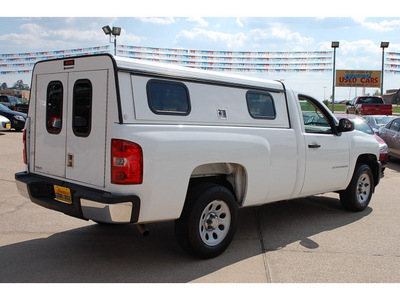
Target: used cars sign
[(357, 78)]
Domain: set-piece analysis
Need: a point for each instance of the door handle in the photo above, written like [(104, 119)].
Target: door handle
[(314, 146)]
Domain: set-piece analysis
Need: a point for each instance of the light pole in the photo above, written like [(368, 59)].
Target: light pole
[(334, 46), (115, 32), (383, 46)]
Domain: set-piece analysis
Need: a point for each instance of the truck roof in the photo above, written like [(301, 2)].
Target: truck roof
[(164, 69)]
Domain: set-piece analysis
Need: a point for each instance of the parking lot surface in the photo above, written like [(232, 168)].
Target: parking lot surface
[(303, 240)]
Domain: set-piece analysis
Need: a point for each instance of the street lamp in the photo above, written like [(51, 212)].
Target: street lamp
[(115, 32), (334, 45), (383, 46)]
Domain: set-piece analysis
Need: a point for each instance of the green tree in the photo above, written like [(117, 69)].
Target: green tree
[(20, 85), (3, 86)]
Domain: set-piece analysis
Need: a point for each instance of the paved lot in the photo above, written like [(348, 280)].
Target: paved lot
[(304, 240)]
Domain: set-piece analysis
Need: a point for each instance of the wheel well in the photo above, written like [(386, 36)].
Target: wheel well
[(370, 160), (230, 175)]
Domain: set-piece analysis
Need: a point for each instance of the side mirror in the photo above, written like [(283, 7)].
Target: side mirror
[(345, 125)]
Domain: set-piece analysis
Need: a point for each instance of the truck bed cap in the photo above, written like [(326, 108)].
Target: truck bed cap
[(153, 68)]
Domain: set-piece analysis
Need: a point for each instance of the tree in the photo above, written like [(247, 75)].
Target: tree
[(20, 85), (3, 86)]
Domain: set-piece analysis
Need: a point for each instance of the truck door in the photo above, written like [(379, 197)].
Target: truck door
[(327, 154), (71, 125)]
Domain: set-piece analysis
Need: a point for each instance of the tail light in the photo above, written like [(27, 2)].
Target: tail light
[(126, 162), (24, 142)]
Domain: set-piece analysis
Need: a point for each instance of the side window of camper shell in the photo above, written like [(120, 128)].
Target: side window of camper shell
[(260, 105), (82, 108), (54, 107), (168, 97)]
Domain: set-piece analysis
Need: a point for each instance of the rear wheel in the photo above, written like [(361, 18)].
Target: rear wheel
[(208, 221), (359, 192)]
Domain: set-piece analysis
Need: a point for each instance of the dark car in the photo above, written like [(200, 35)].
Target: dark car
[(361, 124), (17, 119), (14, 103), (378, 121), (391, 135)]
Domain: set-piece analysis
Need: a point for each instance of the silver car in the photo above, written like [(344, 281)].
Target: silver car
[(391, 135)]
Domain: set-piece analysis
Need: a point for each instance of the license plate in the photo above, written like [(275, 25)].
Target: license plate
[(63, 194)]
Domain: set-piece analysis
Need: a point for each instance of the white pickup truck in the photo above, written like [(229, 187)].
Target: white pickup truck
[(117, 140)]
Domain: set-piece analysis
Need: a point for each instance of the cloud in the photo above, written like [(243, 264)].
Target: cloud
[(36, 37), (197, 21), (239, 21), (383, 26), (230, 40), (277, 31), (161, 21), (255, 38)]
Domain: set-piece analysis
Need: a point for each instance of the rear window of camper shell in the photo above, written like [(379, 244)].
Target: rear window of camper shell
[(168, 97), (54, 107), (82, 108)]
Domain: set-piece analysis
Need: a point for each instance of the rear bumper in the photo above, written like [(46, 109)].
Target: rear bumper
[(86, 203)]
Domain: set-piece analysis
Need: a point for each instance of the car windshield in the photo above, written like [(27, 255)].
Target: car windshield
[(361, 125), (19, 101), (383, 120), (4, 108)]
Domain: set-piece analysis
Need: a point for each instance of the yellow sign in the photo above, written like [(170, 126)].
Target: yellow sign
[(357, 78)]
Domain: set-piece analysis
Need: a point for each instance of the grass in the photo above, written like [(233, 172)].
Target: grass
[(341, 108)]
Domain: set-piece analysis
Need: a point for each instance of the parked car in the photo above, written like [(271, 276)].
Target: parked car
[(368, 105), (17, 119), (391, 135), (361, 124), (5, 124), (378, 121), (14, 103)]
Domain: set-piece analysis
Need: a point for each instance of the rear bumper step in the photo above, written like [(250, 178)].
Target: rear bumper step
[(86, 203)]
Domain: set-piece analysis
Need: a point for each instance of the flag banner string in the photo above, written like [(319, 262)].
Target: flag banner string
[(57, 52), (226, 61), (24, 62), (222, 53)]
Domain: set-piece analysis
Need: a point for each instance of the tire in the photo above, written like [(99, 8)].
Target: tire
[(359, 192), (208, 221)]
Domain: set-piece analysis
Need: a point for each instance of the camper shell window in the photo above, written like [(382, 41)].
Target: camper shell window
[(260, 105), (168, 98), (82, 108), (54, 107)]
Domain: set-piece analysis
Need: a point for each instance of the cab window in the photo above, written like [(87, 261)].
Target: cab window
[(82, 108), (314, 118), (54, 107)]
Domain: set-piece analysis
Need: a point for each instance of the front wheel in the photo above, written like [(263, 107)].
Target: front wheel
[(359, 192), (208, 221)]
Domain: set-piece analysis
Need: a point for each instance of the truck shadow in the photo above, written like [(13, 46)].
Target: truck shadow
[(394, 164), (118, 253)]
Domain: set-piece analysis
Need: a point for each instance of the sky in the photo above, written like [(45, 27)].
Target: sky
[(210, 26)]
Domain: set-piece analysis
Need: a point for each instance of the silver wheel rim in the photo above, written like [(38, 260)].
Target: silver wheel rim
[(215, 222), (363, 188)]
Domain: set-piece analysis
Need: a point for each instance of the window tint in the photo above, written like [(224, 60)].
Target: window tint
[(4, 99), (165, 97), (54, 107), (260, 105), (82, 108)]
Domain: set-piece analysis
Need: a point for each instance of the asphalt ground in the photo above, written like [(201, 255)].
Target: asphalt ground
[(310, 240)]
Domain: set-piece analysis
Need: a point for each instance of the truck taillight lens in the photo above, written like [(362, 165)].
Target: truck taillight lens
[(126, 162), (24, 142)]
